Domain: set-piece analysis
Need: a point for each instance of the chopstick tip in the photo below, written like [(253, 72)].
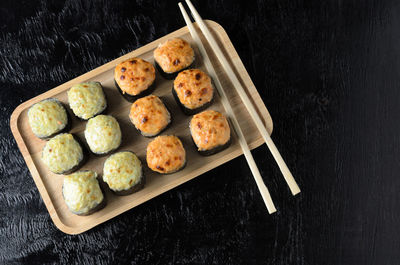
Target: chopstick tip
[(271, 211), (294, 193)]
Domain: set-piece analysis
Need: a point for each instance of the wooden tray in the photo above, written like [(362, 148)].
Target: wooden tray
[(49, 184)]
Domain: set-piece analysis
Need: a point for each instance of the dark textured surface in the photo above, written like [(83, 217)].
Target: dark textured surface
[(327, 70)]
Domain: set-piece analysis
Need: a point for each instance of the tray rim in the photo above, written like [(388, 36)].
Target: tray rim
[(60, 88)]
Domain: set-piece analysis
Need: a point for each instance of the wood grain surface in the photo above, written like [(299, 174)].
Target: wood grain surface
[(328, 72), (50, 184)]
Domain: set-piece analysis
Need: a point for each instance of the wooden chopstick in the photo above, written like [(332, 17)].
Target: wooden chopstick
[(294, 188), (224, 99)]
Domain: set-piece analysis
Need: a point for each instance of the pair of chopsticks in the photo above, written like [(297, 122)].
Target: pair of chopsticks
[(294, 188)]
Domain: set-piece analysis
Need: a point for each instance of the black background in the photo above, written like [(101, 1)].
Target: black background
[(328, 71)]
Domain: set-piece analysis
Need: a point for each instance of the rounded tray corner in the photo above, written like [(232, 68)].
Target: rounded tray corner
[(49, 189)]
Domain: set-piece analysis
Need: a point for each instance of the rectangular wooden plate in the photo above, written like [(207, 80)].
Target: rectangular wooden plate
[(49, 184)]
